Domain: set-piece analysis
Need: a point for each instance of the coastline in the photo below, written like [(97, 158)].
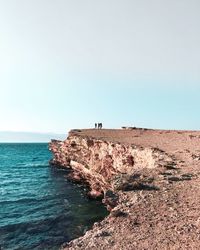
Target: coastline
[(149, 180)]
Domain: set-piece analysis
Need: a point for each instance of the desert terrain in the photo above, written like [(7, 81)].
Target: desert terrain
[(164, 216)]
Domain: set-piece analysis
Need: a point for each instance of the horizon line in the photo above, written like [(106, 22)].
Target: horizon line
[(31, 132)]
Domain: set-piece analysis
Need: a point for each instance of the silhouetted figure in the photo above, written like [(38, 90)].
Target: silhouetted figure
[(95, 125), (99, 125)]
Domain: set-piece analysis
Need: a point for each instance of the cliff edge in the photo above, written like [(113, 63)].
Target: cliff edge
[(148, 179)]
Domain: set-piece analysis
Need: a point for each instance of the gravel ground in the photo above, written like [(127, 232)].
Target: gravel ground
[(164, 217)]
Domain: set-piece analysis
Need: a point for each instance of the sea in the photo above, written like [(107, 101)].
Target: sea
[(39, 207)]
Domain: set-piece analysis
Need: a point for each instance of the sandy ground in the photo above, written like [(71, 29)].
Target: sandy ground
[(164, 218)]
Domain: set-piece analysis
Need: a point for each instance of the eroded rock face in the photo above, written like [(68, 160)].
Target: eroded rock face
[(152, 190), (103, 165)]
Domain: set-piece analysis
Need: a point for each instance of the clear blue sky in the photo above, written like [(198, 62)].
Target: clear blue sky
[(69, 63)]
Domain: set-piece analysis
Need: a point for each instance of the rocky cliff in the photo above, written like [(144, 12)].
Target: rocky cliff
[(106, 166), (149, 180)]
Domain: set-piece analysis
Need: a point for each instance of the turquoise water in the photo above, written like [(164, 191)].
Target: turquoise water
[(39, 207)]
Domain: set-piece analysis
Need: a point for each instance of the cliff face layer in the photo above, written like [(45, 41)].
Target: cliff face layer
[(104, 165), (149, 180)]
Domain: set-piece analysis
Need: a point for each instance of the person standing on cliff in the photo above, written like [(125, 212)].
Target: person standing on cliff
[(99, 125), (95, 125)]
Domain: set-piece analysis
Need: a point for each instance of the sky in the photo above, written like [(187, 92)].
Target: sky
[(67, 64), (31, 137)]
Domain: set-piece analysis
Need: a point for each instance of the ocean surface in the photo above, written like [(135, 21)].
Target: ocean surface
[(39, 207)]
